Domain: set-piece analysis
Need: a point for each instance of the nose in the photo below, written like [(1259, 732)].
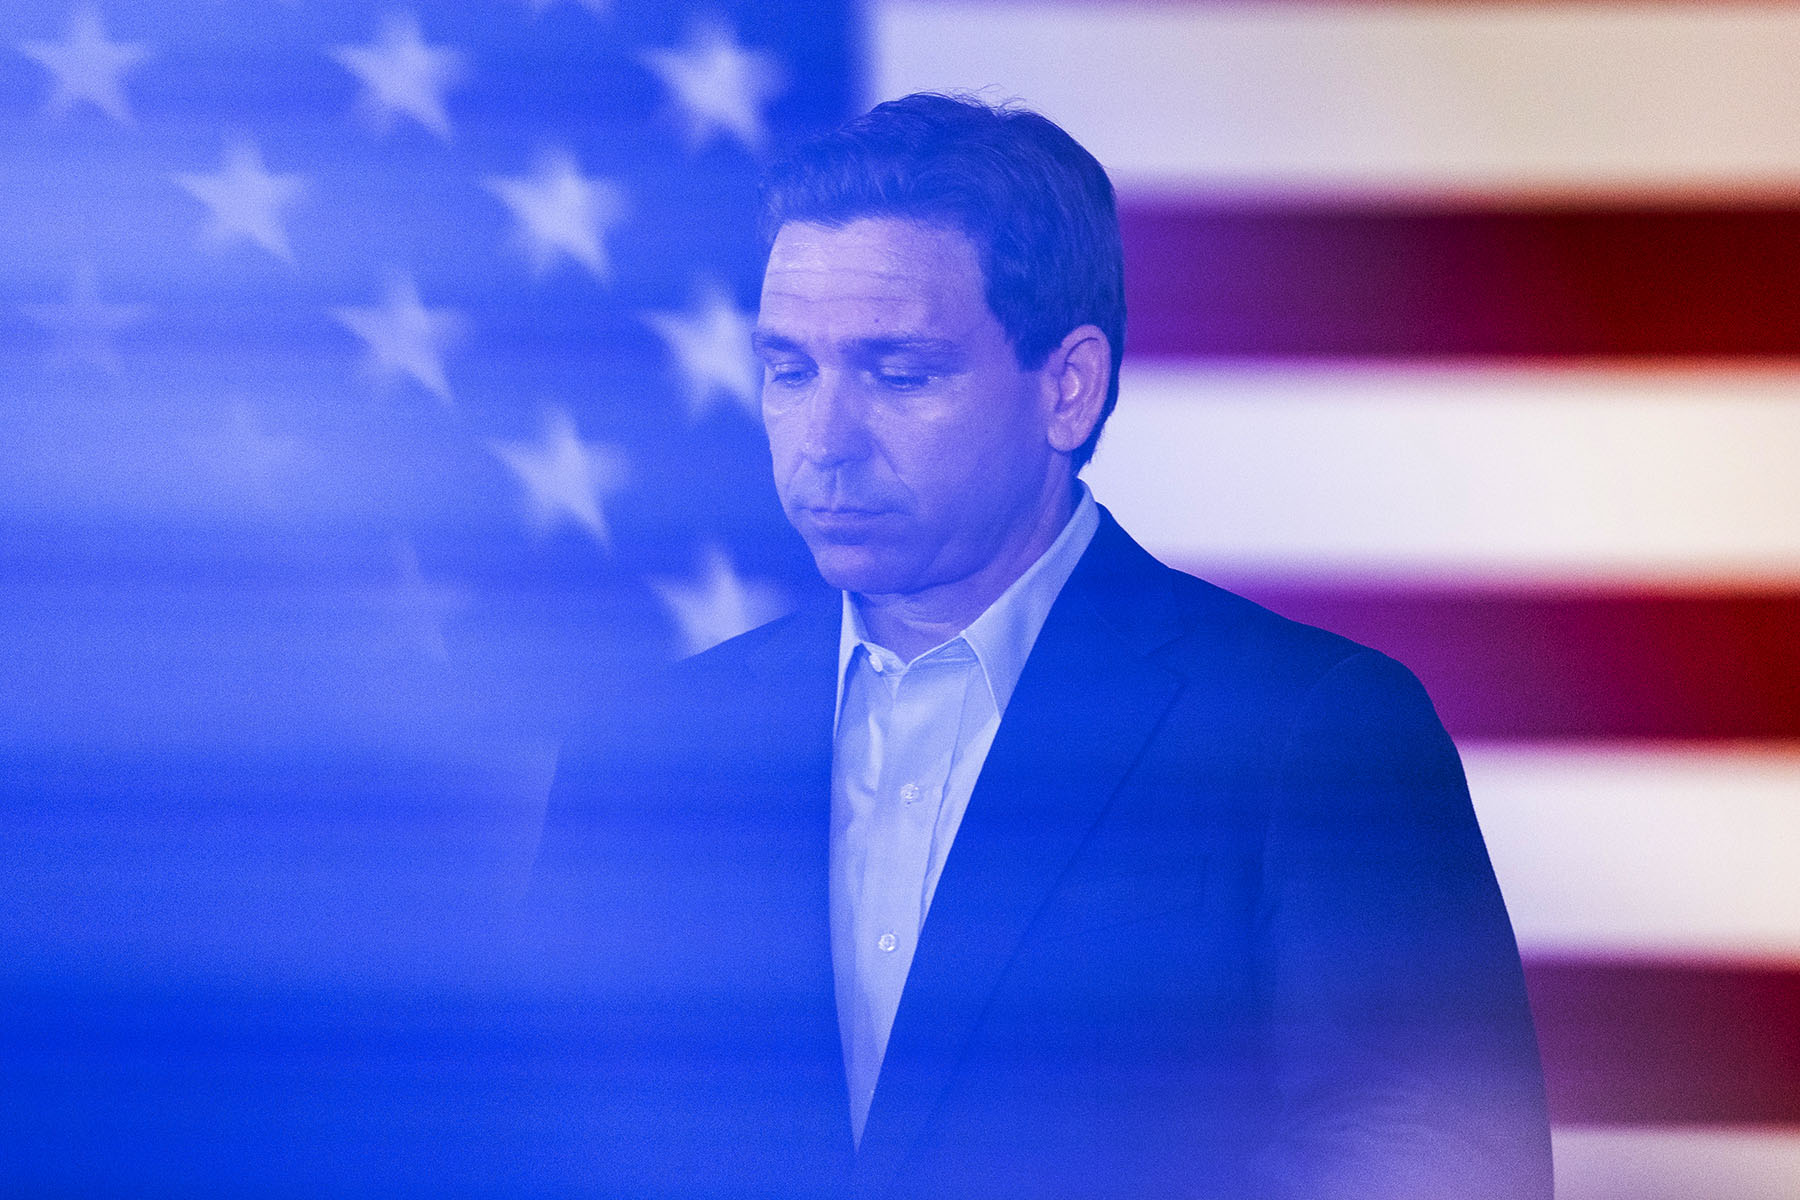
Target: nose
[(835, 431)]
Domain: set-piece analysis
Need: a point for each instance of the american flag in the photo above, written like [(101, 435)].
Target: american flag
[(374, 391), (1468, 330)]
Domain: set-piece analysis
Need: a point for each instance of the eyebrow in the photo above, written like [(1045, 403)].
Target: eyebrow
[(763, 340), (933, 347)]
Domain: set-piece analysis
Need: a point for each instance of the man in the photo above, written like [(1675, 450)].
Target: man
[(1018, 864)]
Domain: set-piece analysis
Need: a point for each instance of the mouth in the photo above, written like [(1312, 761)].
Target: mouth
[(837, 522)]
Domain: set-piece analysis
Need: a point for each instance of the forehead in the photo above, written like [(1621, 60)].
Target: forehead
[(886, 272)]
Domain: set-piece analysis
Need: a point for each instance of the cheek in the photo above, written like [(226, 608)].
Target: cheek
[(975, 452), (952, 476)]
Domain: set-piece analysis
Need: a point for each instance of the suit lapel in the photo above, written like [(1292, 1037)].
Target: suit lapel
[(1085, 705)]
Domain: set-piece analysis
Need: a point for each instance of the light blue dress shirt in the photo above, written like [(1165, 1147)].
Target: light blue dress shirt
[(910, 741)]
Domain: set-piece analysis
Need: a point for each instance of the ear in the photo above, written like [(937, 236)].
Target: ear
[(1076, 374)]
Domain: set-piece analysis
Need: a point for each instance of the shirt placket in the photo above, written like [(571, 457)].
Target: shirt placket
[(917, 751)]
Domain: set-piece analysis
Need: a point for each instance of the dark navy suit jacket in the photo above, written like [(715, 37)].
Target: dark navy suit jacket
[(1218, 922)]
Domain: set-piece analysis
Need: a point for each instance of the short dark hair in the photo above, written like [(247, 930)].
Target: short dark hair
[(1037, 207)]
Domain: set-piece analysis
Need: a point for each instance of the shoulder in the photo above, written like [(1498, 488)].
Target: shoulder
[(1274, 703), (659, 742), (1311, 668), (771, 653), (738, 697), (1226, 644), (774, 651)]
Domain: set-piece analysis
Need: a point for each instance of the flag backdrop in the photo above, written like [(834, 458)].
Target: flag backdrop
[(1537, 266), (373, 390)]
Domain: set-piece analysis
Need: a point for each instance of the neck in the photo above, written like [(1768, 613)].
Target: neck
[(913, 622)]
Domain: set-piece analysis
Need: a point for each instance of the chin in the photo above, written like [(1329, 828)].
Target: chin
[(860, 568)]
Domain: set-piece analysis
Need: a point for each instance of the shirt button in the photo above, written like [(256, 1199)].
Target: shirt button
[(887, 941), (910, 792), (876, 665)]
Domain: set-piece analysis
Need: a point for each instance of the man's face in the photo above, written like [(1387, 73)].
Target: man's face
[(910, 448)]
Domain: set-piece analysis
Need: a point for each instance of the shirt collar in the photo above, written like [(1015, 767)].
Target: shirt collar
[(1002, 636)]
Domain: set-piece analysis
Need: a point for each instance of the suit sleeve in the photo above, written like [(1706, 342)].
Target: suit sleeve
[(1400, 1036)]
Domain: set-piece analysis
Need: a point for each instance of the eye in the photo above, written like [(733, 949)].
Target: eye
[(786, 374), (899, 380)]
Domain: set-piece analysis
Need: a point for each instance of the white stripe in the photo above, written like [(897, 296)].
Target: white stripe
[(1627, 851), (1572, 475), (1398, 98), (1677, 1164)]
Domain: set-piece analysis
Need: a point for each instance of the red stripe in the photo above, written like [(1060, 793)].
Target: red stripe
[(1541, 664), (1660, 1043), (1371, 281)]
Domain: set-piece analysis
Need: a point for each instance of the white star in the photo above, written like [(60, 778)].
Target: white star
[(559, 211), (86, 323), (717, 605), (246, 200), (565, 477), (420, 606), (88, 67), (404, 336), (401, 75), (712, 345), (721, 86)]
